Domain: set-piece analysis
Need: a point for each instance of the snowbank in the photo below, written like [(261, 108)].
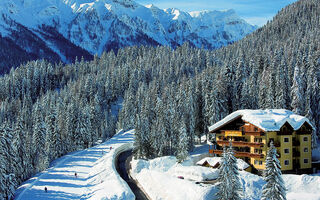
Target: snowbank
[(302, 186), (195, 173), (105, 180), (97, 177), (159, 178)]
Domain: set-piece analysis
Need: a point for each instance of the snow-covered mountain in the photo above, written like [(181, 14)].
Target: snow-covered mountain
[(64, 29)]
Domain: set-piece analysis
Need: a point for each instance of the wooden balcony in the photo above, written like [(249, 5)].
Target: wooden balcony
[(236, 133), (254, 133), (233, 133), (242, 154), (240, 144)]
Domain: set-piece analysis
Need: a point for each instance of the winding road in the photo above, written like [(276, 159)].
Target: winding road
[(123, 166)]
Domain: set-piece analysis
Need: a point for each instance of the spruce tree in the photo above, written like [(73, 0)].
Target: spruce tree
[(229, 184), (223, 183), (38, 139), (274, 189), (182, 152)]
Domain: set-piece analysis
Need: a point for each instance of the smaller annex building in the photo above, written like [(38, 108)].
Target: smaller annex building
[(214, 162), (251, 132)]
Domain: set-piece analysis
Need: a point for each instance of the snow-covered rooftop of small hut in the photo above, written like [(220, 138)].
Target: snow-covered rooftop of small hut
[(267, 120), (242, 165)]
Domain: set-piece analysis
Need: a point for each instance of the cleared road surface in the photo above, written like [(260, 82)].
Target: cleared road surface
[(123, 166)]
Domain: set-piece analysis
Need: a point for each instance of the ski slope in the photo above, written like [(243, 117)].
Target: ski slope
[(96, 178)]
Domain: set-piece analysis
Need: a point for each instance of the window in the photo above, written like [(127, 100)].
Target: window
[(305, 161), (306, 150), (305, 139), (258, 151), (255, 129), (286, 139), (286, 162), (258, 162), (286, 151), (258, 140), (284, 129)]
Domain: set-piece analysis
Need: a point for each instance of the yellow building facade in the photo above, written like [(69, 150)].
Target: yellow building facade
[(251, 140)]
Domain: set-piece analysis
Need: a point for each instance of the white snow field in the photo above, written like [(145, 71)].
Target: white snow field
[(159, 179), (96, 178)]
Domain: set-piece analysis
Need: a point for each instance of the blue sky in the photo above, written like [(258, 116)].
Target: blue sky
[(256, 12)]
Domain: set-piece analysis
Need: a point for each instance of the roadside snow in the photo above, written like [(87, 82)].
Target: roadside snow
[(159, 178), (96, 178), (196, 173), (302, 186)]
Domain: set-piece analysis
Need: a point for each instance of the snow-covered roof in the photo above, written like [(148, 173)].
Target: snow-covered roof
[(213, 161), (267, 120)]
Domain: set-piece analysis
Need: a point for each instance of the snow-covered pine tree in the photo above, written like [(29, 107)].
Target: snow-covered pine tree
[(18, 146), (229, 184), (274, 189), (38, 139), (182, 152), (296, 93), (223, 183), (233, 175), (50, 122), (7, 162)]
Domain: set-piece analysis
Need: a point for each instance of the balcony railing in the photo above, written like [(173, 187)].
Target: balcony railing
[(240, 144), (241, 154), (237, 133), (254, 133)]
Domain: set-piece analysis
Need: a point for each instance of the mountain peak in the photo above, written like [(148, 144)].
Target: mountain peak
[(102, 25)]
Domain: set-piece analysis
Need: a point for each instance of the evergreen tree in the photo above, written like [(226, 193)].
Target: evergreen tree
[(182, 152), (229, 184), (223, 183), (274, 188), (296, 93), (38, 142)]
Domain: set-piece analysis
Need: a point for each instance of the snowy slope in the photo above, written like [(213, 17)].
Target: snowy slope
[(101, 25), (96, 175)]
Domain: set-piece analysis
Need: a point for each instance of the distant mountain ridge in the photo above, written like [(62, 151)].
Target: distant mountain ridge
[(64, 29)]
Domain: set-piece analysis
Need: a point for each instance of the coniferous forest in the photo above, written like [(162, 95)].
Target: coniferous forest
[(169, 96)]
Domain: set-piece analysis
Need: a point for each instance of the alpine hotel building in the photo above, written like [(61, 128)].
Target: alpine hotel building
[(251, 132)]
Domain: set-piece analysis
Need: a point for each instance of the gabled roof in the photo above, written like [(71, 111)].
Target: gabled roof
[(267, 120), (215, 161)]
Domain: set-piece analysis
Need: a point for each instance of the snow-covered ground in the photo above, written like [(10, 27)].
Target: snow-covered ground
[(96, 178), (159, 178)]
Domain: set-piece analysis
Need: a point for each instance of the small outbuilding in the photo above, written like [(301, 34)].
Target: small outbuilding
[(214, 162)]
